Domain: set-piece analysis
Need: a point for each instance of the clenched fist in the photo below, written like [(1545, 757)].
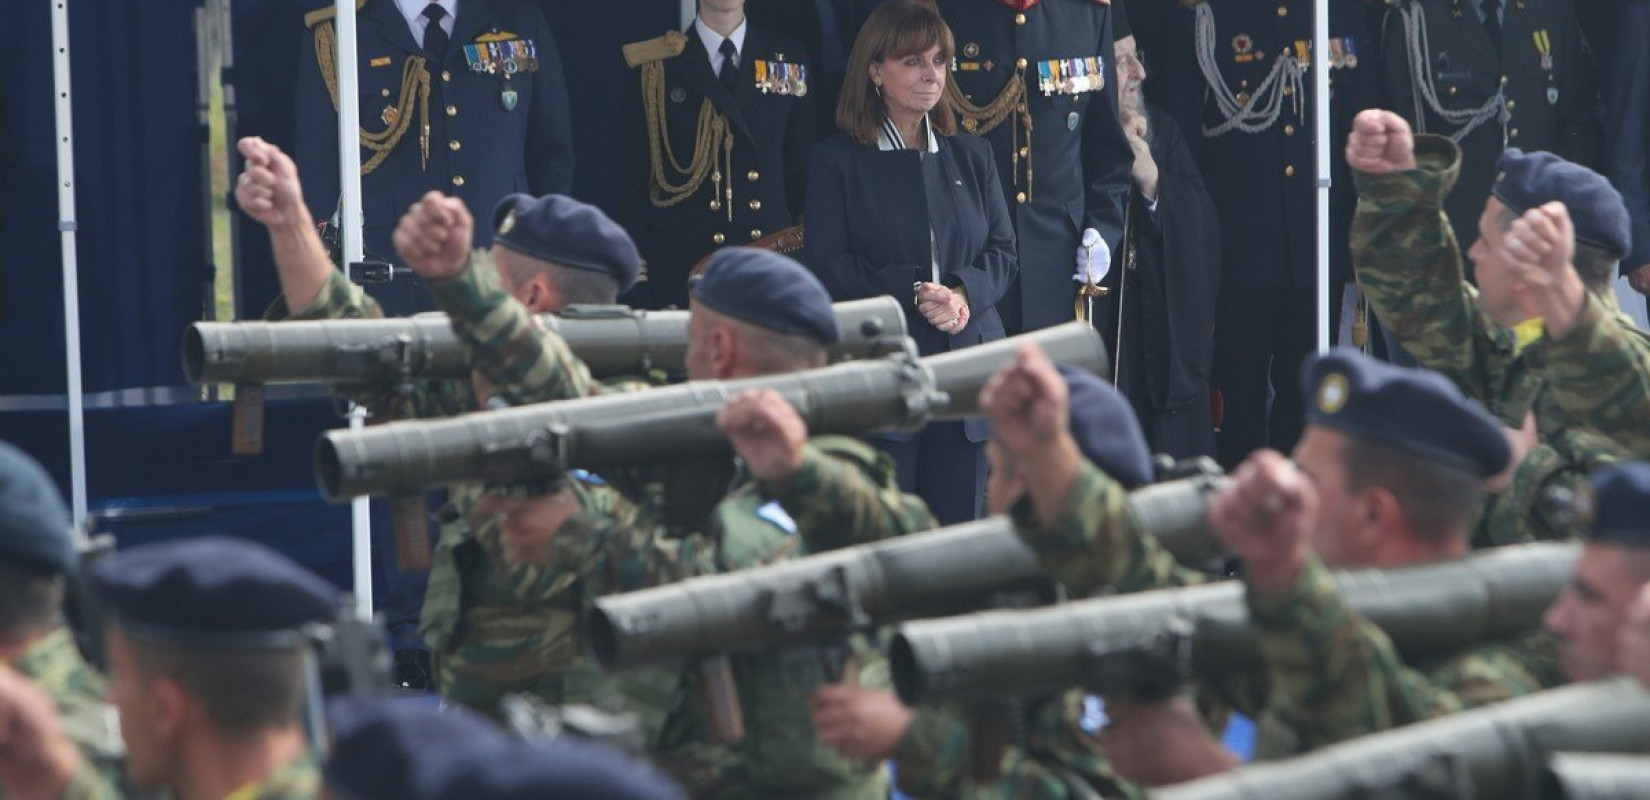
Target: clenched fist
[(1381, 142), (766, 432), (1266, 517), (434, 237), (268, 189)]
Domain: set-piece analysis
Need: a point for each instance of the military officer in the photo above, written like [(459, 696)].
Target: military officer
[(716, 134), (1237, 79), (465, 97), (1035, 77), (1491, 74)]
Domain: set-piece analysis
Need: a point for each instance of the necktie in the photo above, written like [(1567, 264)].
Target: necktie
[(729, 76), (1492, 21), (435, 37)]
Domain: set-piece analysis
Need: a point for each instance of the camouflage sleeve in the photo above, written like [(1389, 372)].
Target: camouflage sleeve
[(1409, 266), (91, 782), (1599, 375), (1335, 676), (608, 555), (845, 494), (339, 299), (538, 584), (523, 362), (1098, 542)]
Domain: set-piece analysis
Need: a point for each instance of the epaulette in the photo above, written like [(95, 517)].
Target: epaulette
[(321, 15), (658, 48)]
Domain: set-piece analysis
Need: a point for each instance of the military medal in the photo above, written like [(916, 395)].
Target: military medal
[(474, 58), (390, 115), (1351, 57), (1045, 80), (1243, 99), (508, 97), (971, 50), (1544, 46), (1242, 44), (799, 79), (782, 77), (761, 75)]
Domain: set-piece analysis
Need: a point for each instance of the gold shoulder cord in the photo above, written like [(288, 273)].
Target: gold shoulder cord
[(712, 142), (415, 85), (980, 120)]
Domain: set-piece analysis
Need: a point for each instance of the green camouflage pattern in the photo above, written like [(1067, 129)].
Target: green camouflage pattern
[(1606, 354), (1054, 759), (1409, 266), (1335, 676), (55, 665)]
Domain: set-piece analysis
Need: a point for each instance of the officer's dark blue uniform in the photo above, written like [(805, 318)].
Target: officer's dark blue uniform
[(1534, 89), (1236, 79), (1061, 153), (495, 110), (705, 166)]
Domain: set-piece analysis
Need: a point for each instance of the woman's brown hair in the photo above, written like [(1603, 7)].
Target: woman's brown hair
[(895, 30)]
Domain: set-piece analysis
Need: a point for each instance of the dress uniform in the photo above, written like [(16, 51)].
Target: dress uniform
[(1035, 79), (1532, 88), (1238, 81), (477, 110), (711, 159)]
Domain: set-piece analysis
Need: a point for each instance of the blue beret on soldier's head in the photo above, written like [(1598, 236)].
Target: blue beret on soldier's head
[(34, 523), (1621, 504), (1527, 180), (403, 748), (1106, 429), (1414, 410), (213, 592), (565, 770), (566, 232), (767, 290)]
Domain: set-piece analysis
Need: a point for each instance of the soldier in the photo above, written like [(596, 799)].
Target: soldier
[(1034, 79), (753, 313), (206, 656), (715, 137), (1490, 74), (1236, 78), (457, 96), (37, 556), (1592, 616), (1563, 410)]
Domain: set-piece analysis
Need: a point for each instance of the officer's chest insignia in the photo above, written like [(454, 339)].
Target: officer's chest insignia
[(1332, 393), (381, 61), (776, 515), (508, 98), (1544, 48), (971, 50), (390, 115), (778, 76), (1070, 76), (678, 95), (494, 56), (1243, 48)]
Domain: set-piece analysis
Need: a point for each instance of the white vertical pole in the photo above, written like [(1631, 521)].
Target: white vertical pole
[(1320, 94), (349, 230), (66, 226)]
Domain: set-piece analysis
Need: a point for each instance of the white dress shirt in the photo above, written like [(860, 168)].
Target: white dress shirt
[(713, 44), (413, 10)]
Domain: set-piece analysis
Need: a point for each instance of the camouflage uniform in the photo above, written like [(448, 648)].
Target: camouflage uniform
[(1409, 267), (844, 494), (298, 780), (1605, 353), (1055, 759), (56, 667)]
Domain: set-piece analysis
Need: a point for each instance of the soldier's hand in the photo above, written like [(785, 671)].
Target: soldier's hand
[(1381, 142), (1521, 441), (1026, 402), (1266, 517), (36, 760), (1639, 279), (766, 432), (528, 525), (268, 189), (1161, 743), (861, 724), (1538, 249), (944, 308), (434, 235), (1634, 650)]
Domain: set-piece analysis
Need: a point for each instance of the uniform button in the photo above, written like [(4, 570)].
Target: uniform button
[(1289, 171), (716, 205), (454, 145), (756, 233), (1283, 11), (452, 111), (1288, 130), (1451, 89), (1025, 152), (1020, 198), (1288, 90), (756, 205), (458, 180), (717, 238), (1503, 80), (1019, 19), (446, 77), (753, 176), (1021, 63), (1512, 134), (1512, 104)]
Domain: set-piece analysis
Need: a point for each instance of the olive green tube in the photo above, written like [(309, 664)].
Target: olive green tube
[(1492, 752), (610, 340), (528, 443), (1426, 610), (949, 570)]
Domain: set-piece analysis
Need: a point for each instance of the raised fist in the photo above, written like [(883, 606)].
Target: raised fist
[(268, 189), (434, 235), (1381, 142)]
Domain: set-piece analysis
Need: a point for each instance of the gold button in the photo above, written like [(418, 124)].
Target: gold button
[(1283, 11), (452, 111), (1512, 104), (753, 176), (1451, 90), (756, 233), (1512, 134), (716, 205), (1288, 130), (1025, 152), (458, 180), (756, 205), (717, 238), (1021, 63), (454, 145), (446, 77), (1019, 19), (383, 93), (1021, 197), (1289, 171), (1503, 80), (1288, 90)]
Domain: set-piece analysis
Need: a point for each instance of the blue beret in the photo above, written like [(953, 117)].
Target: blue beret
[(1526, 180), (213, 592), (34, 523), (402, 748), (564, 770), (1106, 429), (1414, 410), (768, 290), (564, 231), (1621, 504)]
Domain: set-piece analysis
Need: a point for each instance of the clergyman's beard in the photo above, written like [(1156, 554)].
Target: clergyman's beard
[(1134, 107)]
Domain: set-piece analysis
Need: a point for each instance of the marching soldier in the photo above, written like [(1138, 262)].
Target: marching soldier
[(464, 97), (1034, 77), (1237, 79), (1490, 74), (716, 138)]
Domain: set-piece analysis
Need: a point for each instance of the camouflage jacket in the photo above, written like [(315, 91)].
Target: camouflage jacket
[(844, 494), (1409, 267), (298, 780), (1606, 354), (92, 724), (1054, 760), (1334, 676)]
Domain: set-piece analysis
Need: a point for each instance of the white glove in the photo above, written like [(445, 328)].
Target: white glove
[(1093, 258)]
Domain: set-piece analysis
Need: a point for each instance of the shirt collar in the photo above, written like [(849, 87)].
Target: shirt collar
[(713, 40), (413, 10), (890, 139)]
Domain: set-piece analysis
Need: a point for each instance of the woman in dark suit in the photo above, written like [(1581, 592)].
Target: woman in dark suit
[(900, 205)]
